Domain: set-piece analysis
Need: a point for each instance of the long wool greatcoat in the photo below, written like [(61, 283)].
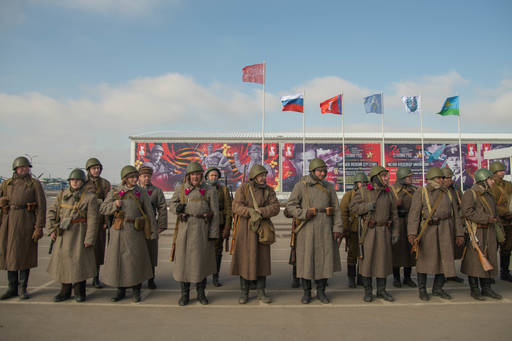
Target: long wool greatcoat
[(194, 258), (402, 249), (157, 198), (17, 249), (127, 260), (457, 198), (250, 258), (377, 254), (71, 261), (100, 187), (317, 253), (436, 247), (475, 210)]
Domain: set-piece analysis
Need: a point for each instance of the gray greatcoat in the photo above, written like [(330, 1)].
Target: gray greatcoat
[(71, 261), (436, 247), (127, 260), (377, 254), (476, 211), (195, 246), (157, 198), (250, 258), (457, 198), (17, 249), (317, 253), (402, 249)]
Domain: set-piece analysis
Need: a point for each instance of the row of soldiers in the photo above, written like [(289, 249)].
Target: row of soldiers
[(382, 224)]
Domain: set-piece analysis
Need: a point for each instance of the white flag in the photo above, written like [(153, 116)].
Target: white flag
[(412, 103)]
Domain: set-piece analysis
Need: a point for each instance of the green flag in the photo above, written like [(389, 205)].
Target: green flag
[(450, 107)]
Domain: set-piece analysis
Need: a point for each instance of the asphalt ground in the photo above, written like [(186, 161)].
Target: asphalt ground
[(158, 316)]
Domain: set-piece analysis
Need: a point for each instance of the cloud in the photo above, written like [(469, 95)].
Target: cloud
[(11, 14), (123, 7)]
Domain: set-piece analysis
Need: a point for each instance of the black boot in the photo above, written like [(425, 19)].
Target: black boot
[(397, 283), (306, 286), (185, 293), (351, 274), (151, 281), (456, 279), (136, 293), (422, 287), (381, 290), (504, 265), (320, 290), (485, 283), (96, 280), (295, 280), (215, 280), (261, 286), (120, 294), (64, 294), (201, 296), (473, 286), (359, 280), (24, 283), (407, 277), (244, 291), (437, 288), (80, 291), (12, 291), (368, 290)]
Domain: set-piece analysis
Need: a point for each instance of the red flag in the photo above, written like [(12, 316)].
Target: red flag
[(332, 105), (254, 73)]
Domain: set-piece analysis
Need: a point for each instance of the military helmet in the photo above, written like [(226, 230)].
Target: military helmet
[(20, 161), (434, 172), (376, 170), (157, 148), (497, 166), (316, 163), (360, 177), (482, 174), (403, 172), (93, 162), (77, 174), (194, 167), (128, 170), (145, 170), (447, 172), (210, 169), (256, 170)]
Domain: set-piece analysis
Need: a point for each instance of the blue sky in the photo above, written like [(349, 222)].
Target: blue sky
[(105, 69)]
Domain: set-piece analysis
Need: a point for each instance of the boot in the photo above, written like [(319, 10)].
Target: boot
[(253, 285), (215, 280), (306, 286), (437, 289), (201, 296), (320, 290), (485, 283), (136, 293), (368, 290), (244, 291), (295, 280), (96, 280), (12, 291), (260, 286), (359, 280), (64, 294), (473, 286), (381, 290), (185, 293), (351, 274), (504, 265), (24, 283), (422, 287), (151, 281), (79, 289), (120, 294), (396, 277), (407, 277)]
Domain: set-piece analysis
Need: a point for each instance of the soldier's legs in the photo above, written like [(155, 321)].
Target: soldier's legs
[(485, 283), (351, 274), (96, 280), (261, 284), (352, 252), (295, 280), (407, 277), (79, 289), (473, 286), (422, 287), (24, 274), (306, 286), (397, 283), (368, 294), (12, 291), (381, 290), (64, 294), (505, 250), (201, 296), (437, 289), (136, 292), (120, 294), (218, 259), (185, 293), (151, 281), (321, 284), (244, 291)]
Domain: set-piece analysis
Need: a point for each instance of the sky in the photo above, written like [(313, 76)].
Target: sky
[(77, 77)]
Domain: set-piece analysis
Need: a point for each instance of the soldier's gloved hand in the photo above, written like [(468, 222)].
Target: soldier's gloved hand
[(86, 245), (53, 236), (287, 214), (371, 206), (492, 220), (394, 240), (310, 213), (336, 235), (411, 238), (180, 208), (459, 241), (38, 234)]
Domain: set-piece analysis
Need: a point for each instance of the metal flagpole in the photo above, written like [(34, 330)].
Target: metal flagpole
[(263, 117), (304, 137), (383, 158), (422, 146), (460, 152), (340, 108)]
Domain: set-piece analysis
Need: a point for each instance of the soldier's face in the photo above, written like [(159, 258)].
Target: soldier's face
[(490, 182), (448, 181), (384, 177), (23, 170), (144, 179), (195, 178), (500, 175), (132, 180), (408, 179), (320, 173), (439, 180), (75, 183), (95, 171), (359, 184), (213, 176), (261, 179)]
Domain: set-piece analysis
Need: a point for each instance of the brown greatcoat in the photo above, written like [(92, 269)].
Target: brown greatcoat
[(402, 249), (17, 249), (195, 246), (127, 258), (502, 193), (457, 198), (100, 187), (317, 253), (225, 215), (436, 247), (377, 258), (475, 210), (159, 205), (71, 261), (250, 258)]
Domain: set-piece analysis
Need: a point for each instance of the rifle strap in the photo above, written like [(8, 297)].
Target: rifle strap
[(502, 194), (431, 211)]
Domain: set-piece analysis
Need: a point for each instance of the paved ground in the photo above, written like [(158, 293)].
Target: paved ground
[(158, 316)]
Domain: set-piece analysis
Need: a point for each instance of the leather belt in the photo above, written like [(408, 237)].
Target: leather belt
[(327, 210), (79, 220), (482, 226)]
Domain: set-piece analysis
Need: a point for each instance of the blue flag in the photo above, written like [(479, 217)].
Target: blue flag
[(373, 104)]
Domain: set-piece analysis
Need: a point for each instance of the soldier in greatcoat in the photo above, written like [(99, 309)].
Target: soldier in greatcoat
[(73, 224)]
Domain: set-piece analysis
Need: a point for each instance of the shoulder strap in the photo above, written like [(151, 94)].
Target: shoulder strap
[(393, 190), (427, 200), (253, 198), (431, 211), (502, 194)]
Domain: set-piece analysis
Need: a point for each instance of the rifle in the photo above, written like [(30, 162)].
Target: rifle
[(50, 249), (173, 246), (226, 242), (486, 265), (235, 226), (293, 251)]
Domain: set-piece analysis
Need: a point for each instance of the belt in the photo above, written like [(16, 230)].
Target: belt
[(79, 220), (482, 226), (129, 221), (327, 210)]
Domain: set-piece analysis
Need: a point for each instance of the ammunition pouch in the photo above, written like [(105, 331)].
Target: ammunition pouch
[(500, 233), (183, 217), (266, 232), (139, 223), (31, 206), (434, 221), (118, 222)]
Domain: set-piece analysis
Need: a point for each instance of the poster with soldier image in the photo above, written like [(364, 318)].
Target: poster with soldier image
[(169, 161)]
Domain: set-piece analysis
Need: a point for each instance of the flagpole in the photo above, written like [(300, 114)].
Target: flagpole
[(304, 137), (342, 137), (383, 158), (422, 146), (460, 149), (263, 117)]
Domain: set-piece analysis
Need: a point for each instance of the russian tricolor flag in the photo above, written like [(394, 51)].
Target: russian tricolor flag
[(293, 103)]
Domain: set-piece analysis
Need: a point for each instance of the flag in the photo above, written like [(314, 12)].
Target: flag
[(254, 73), (293, 103), (373, 104), (450, 107), (411, 103), (332, 105)]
